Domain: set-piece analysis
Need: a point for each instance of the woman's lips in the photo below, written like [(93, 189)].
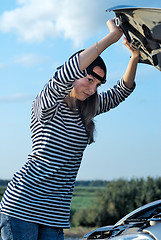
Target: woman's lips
[(86, 94)]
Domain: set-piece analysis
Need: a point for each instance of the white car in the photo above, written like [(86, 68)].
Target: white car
[(142, 224)]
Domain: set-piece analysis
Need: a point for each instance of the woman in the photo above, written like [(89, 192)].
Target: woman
[(36, 204)]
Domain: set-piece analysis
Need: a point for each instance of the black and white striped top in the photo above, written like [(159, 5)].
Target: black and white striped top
[(41, 191)]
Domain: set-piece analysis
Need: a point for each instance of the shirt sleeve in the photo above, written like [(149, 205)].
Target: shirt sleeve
[(113, 97), (57, 88)]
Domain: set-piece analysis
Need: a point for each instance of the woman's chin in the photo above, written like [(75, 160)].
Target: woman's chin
[(82, 98)]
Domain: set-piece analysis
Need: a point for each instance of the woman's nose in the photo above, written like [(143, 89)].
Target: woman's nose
[(93, 89)]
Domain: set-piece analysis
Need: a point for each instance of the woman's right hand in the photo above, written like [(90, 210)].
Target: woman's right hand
[(116, 31)]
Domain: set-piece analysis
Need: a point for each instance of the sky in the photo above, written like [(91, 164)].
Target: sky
[(36, 36)]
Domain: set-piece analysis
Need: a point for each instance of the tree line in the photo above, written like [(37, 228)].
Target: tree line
[(3, 182), (91, 183), (82, 183)]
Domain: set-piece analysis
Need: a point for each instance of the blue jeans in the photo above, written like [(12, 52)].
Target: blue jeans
[(16, 229)]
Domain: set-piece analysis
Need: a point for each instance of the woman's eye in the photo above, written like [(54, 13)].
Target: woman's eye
[(90, 79)]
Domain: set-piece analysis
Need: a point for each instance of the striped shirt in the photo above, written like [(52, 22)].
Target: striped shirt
[(41, 190)]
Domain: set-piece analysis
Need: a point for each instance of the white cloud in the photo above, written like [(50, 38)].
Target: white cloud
[(29, 60), (15, 97), (81, 19), (2, 66), (34, 20)]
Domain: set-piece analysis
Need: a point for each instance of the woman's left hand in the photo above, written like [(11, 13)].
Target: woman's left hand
[(135, 52)]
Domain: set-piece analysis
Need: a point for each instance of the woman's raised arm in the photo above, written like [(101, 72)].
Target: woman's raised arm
[(129, 75), (90, 54)]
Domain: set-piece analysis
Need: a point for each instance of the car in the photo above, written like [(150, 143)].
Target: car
[(142, 28), (144, 223)]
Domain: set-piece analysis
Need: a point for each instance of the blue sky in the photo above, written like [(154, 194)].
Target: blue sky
[(36, 36)]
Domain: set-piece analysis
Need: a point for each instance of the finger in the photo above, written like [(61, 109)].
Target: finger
[(125, 42)]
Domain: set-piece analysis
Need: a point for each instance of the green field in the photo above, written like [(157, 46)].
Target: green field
[(84, 197)]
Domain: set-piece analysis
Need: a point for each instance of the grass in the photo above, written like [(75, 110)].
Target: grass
[(2, 190), (84, 197)]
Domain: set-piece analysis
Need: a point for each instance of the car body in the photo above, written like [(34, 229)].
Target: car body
[(142, 28), (143, 223)]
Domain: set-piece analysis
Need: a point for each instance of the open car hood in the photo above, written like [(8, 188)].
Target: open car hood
[(142, 28)]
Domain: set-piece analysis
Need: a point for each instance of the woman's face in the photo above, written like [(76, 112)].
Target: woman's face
[(87, 86)]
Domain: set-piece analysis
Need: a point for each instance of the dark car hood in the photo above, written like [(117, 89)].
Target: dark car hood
[(142, 28)]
